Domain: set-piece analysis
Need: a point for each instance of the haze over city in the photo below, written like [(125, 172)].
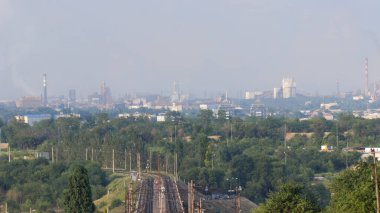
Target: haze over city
[(189, 106), (143, 46)]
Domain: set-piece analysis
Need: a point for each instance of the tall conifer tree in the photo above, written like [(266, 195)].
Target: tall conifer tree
[(78, 197)]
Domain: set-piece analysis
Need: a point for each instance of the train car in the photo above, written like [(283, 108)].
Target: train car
[(359, 149)]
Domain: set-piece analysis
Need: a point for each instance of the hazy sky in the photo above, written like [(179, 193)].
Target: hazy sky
[(206, 45)]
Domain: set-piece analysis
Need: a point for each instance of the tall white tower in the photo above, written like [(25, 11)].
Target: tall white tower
[(337, 89), (176, 96), (45, 99), (366, 88)]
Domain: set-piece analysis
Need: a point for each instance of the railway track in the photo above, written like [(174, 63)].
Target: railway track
[(150, 200), (172, 203), (146, 196)]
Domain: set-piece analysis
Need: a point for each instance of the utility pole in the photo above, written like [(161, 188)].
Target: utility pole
[(376, 183), (231, 130), (285, 145), (130, 161), (346, 153), (9, 153), (237, 200), (159, 170), (200, 206), (129, 199), (190, 197), (126, 203), (212, 156), (52, 154), (125, 159), (160, 194), (176, 167), (176, 154), (113, 160), (337, 136), (161, 199), (138, 164), (150, 161), (166, 164), (227, 137)]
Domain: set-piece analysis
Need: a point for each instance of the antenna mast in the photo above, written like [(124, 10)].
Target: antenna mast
[(337, 89), (366, 89), (45, 101)]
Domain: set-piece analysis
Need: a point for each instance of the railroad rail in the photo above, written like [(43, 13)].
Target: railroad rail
[(171, 199), (158, 194), (145, 203)]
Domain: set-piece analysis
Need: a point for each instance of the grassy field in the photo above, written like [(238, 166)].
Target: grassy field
[(114, 199)]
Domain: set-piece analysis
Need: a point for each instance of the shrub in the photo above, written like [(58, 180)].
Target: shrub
[(115, 203)]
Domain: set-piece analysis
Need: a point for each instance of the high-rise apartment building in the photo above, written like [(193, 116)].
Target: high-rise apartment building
[(105, 95), (72, 96)]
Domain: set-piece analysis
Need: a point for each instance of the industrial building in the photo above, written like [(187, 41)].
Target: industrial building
[(288, 88), (29, 102), (32, 119), (258, 109)]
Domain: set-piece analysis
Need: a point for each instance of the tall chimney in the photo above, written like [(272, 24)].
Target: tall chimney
[(45, 100), (366, 89)]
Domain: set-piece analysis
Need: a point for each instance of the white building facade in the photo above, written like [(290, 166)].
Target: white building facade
[(288, 88)]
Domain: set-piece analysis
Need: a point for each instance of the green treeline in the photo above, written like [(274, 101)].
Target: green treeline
[(352, 191), (218, 152), (39, 185)]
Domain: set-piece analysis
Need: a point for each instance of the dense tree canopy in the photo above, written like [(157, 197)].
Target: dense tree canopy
[(289, 198), (38, 184), (353, 190), (77, 197), (211, 150)]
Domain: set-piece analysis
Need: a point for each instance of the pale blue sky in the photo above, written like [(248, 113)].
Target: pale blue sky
[(206, 45)]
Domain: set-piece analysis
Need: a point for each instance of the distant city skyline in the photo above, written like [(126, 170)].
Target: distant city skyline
[(206, 46)]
